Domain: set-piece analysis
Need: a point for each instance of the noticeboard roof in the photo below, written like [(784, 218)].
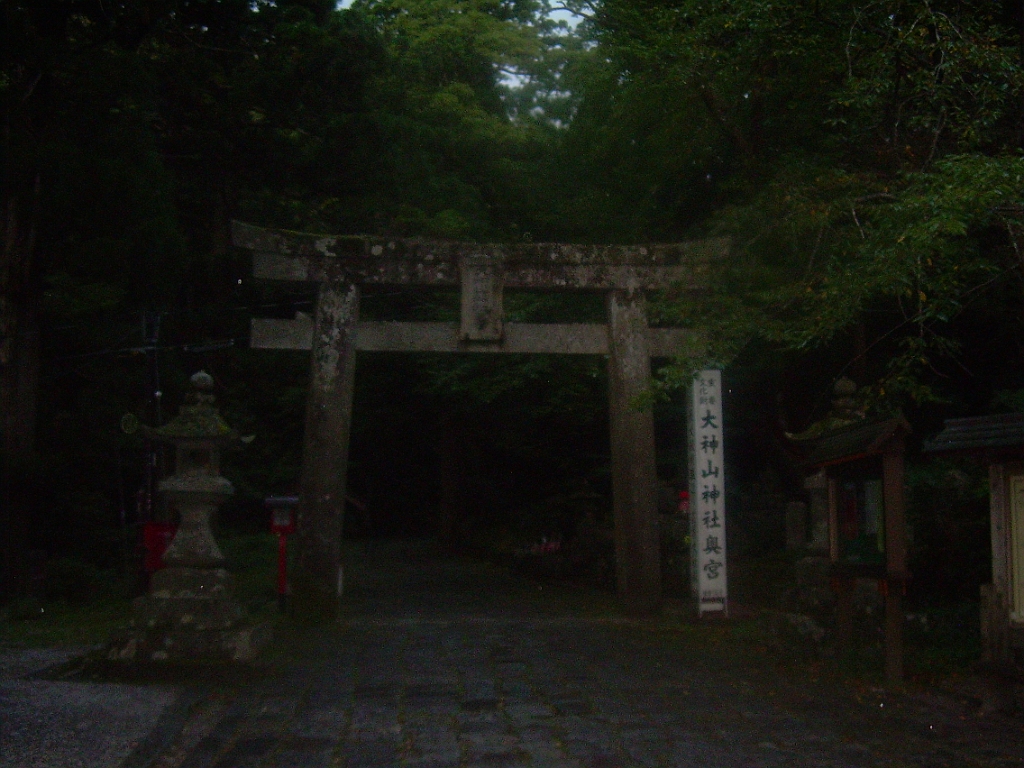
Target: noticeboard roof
[(980, 433), (857, 441)]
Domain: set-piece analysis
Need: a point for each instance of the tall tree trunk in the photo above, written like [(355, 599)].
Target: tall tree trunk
[(19, 384)]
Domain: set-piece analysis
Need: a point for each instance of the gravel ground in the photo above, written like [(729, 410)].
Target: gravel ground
[(52, 724)]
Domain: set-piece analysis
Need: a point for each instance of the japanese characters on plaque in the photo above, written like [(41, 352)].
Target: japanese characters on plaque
[(707, 493), (481, 299)]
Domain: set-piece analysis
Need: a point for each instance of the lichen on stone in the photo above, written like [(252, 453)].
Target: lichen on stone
[(200, 420)]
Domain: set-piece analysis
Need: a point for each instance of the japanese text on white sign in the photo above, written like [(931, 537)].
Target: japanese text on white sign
[(707, 493)]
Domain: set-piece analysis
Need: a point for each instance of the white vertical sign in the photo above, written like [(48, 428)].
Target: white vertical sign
[(707, 493)]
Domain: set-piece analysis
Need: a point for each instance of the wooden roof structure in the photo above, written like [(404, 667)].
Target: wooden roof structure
[(997, 433), (849, 443)]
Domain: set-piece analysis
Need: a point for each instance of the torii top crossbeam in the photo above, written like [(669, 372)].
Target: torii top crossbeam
[(280, 255)]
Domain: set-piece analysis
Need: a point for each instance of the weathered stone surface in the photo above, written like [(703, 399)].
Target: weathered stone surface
[(634, 473), (186, 613), (316, 579), (543, 276), (295, 256), (187, 645), (190, 613), (816, 486), (482, 311), (193, 545), (796, 525), (518, 338), (438, 260), (191, 582)]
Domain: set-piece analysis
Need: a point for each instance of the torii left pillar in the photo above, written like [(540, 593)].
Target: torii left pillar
[(317, 578)]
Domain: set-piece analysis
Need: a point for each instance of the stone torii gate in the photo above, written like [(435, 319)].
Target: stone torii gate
[(342, 264)]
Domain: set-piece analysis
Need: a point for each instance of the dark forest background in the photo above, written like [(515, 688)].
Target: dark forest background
[(865, 159)]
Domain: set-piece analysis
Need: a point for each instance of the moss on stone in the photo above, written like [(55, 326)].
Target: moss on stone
[(195, 421)]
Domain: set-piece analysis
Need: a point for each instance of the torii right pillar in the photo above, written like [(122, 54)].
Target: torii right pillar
[(634, 472)]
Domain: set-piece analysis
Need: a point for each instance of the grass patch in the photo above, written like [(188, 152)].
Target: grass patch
[(943, 640), (760, 581), (252, 560), (59, 625), (84, 607)]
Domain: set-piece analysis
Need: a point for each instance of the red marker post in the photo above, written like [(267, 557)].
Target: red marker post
[(684, 503), (156, 538), (282, 522)]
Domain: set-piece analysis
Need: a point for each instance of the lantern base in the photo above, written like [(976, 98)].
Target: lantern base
[(189, 646), (189, 615)]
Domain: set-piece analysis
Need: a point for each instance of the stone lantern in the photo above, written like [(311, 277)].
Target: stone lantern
[(191, 613)]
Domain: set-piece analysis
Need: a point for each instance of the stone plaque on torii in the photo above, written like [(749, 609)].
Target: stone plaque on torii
[(341, 264)]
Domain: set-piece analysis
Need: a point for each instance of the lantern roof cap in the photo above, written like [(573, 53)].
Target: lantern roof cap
[(198, 420)]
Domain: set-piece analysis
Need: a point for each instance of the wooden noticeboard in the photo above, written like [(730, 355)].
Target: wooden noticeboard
[(860, 513), (997, 439), (863, 464)]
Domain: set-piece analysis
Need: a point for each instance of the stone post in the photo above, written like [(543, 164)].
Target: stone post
[(816, 486), (796, 526), (634, 473), (896, 561)]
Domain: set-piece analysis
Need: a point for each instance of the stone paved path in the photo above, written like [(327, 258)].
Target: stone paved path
[(438, 664)]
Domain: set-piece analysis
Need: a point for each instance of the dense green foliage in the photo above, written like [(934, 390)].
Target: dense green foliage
[(864, 157)]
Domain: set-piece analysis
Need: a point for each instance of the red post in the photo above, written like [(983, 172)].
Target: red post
[(282, 570), (156, 537), (282, 522)]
